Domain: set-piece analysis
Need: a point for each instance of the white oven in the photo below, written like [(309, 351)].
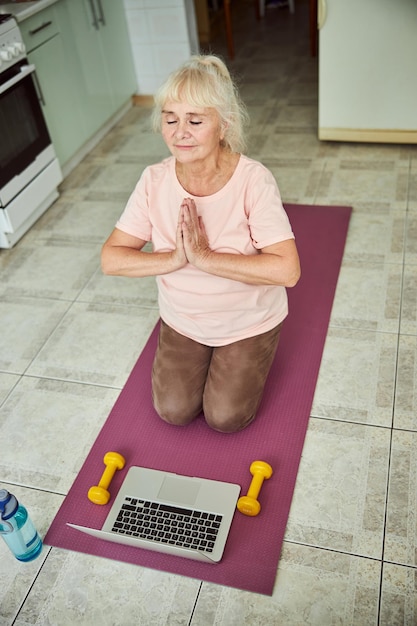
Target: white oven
[(29, 169)]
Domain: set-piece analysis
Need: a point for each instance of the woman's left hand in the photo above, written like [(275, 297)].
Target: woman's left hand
[(195, 238), (277, 264)]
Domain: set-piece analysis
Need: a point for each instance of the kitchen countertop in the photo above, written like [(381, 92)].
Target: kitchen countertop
[(22, 10)]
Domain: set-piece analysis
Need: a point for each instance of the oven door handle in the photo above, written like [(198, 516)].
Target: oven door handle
[(25, 71)]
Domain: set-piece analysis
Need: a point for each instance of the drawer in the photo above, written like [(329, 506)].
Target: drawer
[(39, 28)]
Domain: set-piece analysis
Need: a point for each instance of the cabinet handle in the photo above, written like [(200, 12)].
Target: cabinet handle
[(94, 14), (101, 13), (321, 13), (41, 27)]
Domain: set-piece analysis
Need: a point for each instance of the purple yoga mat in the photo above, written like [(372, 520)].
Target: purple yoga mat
[(277, 435)]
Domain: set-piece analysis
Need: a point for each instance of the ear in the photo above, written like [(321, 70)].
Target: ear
[(223, 129)]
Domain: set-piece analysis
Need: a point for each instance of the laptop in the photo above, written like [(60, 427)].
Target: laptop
[(170, 513)]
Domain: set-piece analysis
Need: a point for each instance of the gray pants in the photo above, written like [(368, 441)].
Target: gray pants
[(226, 382)]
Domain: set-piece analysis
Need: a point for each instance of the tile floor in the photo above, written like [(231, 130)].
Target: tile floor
[(70, 337)]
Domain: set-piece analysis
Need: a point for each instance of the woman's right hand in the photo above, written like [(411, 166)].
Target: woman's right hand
[(178, 255), (123, 255)]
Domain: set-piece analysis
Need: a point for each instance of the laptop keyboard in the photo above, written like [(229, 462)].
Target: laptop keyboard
[(166, 524)]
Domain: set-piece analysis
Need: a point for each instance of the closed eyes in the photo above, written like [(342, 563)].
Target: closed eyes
[(194, 123)]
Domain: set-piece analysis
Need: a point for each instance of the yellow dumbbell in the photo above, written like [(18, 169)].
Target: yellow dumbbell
[(249, 504), (99, 494)]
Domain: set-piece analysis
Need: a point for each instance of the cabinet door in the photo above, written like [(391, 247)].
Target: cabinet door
[(117, 50), (96, 92), (62, 115)]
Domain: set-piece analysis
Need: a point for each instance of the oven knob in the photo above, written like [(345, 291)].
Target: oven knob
[(18, 48), (14, 50), (6, 54)]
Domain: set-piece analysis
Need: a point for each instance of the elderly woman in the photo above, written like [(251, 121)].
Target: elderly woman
[(223, 253)]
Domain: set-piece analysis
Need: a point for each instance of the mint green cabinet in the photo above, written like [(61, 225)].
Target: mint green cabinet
[(81, 51), (63, 118), (117, 51), (56, 82), (97, 31), (95, 93)]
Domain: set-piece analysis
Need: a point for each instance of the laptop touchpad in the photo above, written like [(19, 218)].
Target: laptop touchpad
[(179, 490)]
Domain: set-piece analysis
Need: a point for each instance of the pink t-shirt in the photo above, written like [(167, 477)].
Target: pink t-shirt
[(243, 217)]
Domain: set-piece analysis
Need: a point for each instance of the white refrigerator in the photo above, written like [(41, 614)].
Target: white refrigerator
[(368, 70)]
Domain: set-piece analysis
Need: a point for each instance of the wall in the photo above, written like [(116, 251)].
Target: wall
[(163, 35)]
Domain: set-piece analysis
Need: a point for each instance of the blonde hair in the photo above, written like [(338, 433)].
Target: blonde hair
[(205, 82)]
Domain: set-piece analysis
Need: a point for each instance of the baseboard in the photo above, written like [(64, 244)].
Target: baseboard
[(140, 100), (368, 135)]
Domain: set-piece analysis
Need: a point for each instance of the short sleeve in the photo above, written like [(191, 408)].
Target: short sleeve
[(268, 221), (135, 217)]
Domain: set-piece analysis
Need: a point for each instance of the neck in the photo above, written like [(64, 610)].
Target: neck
[(207, 177)]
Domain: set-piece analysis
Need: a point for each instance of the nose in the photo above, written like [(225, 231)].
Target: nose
[(181, 129)]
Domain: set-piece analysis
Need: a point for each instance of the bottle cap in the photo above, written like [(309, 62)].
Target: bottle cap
[(8, 504)]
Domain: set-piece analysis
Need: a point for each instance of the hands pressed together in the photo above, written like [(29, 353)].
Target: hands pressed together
[(192, 241), (277, 264)]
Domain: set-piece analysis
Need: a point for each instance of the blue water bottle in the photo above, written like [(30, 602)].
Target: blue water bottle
[(17, 528)]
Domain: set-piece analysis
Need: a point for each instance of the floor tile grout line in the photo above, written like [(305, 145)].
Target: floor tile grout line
[(72, 381), (352, 423), (391, 562), (195, 603), (350, 553), (52, 492), (392, 429), (50, 335), (333, 550), (33, 582), (384, 531)]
